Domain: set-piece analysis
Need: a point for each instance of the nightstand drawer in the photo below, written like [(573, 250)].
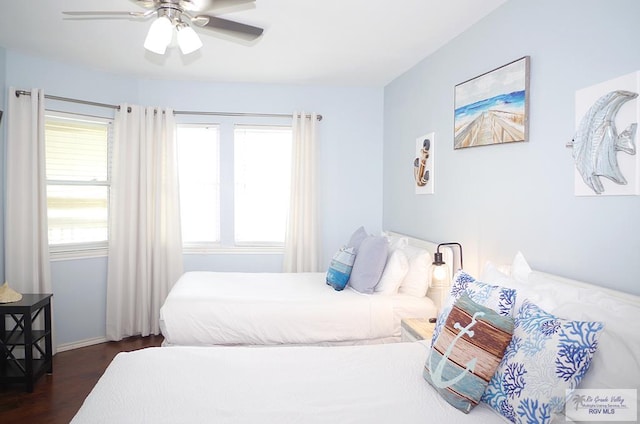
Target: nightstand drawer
[(414, 329)]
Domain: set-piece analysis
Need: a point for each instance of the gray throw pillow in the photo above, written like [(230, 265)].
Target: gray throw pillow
[(356, 238), (369, 264)]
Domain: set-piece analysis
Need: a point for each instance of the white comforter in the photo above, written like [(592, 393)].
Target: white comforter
[(348, 384), (213, 308)]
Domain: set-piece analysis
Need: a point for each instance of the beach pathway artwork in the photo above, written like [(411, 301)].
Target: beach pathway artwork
[(492, 108)]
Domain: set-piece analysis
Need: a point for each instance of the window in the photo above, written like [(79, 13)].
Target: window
[(78, 177), (234, 185), (199, 175), (262, 158)]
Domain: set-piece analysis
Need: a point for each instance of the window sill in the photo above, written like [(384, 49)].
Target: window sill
[(233, 250), (63, 255)]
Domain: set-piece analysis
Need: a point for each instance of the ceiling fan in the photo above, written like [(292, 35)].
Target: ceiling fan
[(183, 15)]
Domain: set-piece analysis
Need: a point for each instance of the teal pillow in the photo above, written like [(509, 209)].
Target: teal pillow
[(467, 352), (340, 268)]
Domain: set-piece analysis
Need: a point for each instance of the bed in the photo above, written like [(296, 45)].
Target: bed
[(348, 384), (345, 384), (233, 308)]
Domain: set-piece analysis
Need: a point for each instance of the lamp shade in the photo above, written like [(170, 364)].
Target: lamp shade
[(437, 257), (188, 40), (439, 269), (159, 35), (440, 272)]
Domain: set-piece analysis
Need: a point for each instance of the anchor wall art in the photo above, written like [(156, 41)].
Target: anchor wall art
[(493, 108), (423, 164), (605, 142)]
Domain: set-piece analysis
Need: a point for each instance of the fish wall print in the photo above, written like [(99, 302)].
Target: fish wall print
[(605, 142), (597, 142), (423, 164)]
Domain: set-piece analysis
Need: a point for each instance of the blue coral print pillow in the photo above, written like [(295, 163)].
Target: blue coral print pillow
[(500, 299), (547, 356)]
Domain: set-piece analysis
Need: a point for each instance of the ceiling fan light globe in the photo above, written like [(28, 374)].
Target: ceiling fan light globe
[(159, 35), (188, 40)]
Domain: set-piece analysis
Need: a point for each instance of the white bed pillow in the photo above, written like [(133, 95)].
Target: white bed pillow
[(520, 268), (517, 278), (518, 272), (396, 242), (394, 272), (417, 280)]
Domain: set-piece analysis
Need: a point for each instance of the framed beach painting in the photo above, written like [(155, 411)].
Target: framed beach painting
[(493, 108)]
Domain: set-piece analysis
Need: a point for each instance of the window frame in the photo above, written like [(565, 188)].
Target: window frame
[(205, 246), (227, 244), (82, 249), (259, 245)]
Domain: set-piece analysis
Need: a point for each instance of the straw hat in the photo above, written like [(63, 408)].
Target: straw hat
[(7, 294)]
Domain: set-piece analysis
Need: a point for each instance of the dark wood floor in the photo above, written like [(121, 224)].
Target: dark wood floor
[(57, 397)]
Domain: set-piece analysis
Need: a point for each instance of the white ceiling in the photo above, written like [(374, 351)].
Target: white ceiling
[(330, 42)]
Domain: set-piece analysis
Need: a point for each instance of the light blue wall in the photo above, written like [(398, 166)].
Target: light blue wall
[(497, 200), (3, 125), (350, 139)]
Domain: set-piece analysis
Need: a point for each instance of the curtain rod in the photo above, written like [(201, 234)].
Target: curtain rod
[(175, 112)]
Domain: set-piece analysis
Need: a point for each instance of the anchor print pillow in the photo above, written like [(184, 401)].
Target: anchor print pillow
[(547, 356), (467, 352), (500, 299)]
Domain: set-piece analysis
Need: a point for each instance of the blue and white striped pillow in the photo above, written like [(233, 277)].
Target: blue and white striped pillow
[(340, 268)]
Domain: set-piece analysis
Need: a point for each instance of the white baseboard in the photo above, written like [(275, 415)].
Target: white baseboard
[(81, 343)]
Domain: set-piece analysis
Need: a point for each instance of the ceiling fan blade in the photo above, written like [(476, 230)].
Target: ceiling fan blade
[(202, 5), (236, 29), (108, 13), (193, 5), (147, 4)]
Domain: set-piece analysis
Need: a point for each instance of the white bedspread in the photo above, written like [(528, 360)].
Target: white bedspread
[(348, 384), (213, 308)]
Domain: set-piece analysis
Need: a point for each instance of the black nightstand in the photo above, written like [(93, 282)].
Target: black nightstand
[(27, 369)]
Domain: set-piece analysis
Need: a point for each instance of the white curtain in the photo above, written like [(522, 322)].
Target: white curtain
[(26, 250), (302, 242), (145, 242)]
